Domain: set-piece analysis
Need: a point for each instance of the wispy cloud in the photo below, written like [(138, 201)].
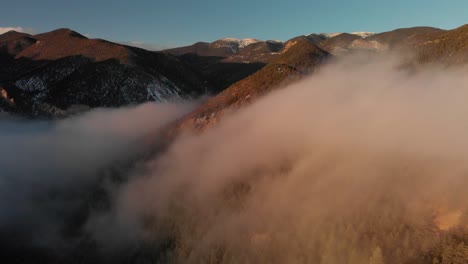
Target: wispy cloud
[(19, 29)]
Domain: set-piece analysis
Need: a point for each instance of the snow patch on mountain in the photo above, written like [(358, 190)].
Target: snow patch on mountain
[(162, 90), (242, 43), (363, 34), (33, 84), (330, 35)]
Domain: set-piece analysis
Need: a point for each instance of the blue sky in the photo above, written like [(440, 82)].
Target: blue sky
[(163, 23)]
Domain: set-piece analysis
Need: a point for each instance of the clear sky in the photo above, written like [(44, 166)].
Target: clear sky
[(163, 23)]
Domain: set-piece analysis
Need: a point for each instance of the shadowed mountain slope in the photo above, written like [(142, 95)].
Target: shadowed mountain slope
[(48, 73)]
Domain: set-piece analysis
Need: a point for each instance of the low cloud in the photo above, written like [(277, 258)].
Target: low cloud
[(48, 168), (363, 162)]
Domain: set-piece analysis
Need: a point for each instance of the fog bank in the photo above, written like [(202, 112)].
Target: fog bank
[(49, 168), (362, 162)]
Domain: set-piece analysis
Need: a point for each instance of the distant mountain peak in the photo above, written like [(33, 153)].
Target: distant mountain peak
[(362, 34), (330, 35), (63, 32), (241, 42), (13, 34)]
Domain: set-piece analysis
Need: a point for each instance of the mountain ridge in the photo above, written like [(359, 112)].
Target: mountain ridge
[(55, 70)]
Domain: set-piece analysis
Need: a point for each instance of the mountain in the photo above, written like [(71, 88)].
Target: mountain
[(13, 42), (309, 51), (63, 43), (444, 47), (363, 34), (403, 36), (427, 44), (339, 43), (46, 74), (233, 50), (299, 57), (61, 72), (228, 60)]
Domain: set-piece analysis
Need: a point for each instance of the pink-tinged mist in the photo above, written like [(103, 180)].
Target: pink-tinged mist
[(362, 162), (366, 161)]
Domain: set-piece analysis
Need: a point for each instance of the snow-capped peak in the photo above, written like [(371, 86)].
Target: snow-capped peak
[(331, 35), (242, 42), (363, 34)]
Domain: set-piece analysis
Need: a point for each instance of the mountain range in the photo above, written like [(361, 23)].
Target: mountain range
[(45, 74), (62, 73), (58, 73)]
